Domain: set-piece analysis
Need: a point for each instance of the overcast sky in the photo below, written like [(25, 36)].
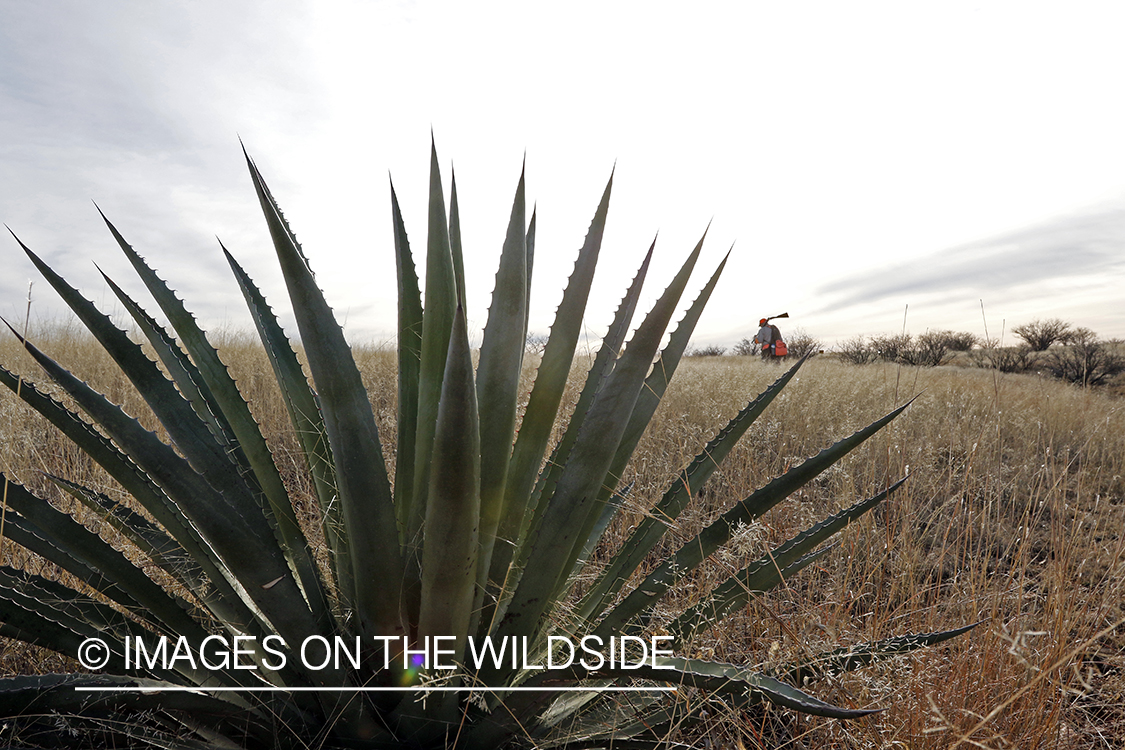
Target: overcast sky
[(865, 160)]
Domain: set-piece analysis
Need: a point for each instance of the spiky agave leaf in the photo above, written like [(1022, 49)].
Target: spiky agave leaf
[(498, 378), (85, 555), (303, 407), (692, 553), (409, 365), (572, 509), (190, 494), (452, 522), (546, 394), (213, 585), (849, 658), (679, 493), (361, 474), (42, 701), (603, 364), (233, 527), (717, 677), (768, 571), (217, 389)]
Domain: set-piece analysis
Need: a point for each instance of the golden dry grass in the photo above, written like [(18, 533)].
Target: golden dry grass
[(1013, 516)]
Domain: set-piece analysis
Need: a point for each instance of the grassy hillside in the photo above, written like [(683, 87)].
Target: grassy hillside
[(1014, 516)]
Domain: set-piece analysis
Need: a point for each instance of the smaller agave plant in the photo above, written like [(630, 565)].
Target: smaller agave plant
[(479, 538)]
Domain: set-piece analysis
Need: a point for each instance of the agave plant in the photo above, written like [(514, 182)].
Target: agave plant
[(449, 592)]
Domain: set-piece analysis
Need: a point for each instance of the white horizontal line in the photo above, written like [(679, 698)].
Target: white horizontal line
[(413, 689)]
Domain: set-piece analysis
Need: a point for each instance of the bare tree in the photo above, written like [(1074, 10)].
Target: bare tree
[(890, 348), (802, 343), (959, 341), (931, 349), (536, 343), (1003, 358), (711, 350), (856, 351), (1086, 360), (1040, 334), (747, 347)]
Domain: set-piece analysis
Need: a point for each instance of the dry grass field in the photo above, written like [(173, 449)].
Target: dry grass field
[(1013, 517)]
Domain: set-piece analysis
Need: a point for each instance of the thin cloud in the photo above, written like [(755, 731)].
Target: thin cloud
[(1079, 245), (140, 111)]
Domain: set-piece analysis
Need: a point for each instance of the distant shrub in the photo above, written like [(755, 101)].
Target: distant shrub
[(706, 351), (992, 356), (856, 351), (802, 343), (890, 348), (931, 349), (746, 347), (1040, 334), (959, 341), (1086, 360)]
